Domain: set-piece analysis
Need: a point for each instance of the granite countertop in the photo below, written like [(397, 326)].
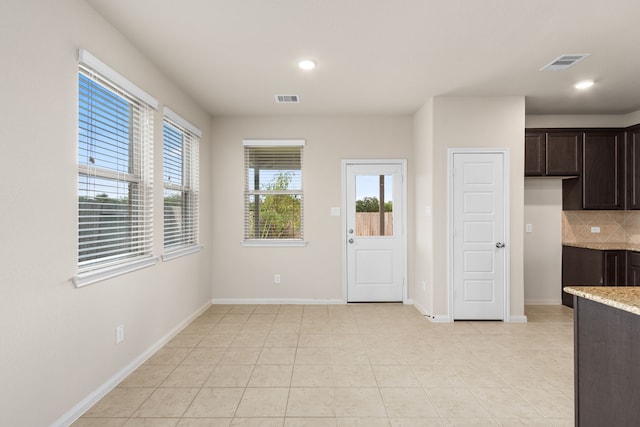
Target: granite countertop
[(625, 298), (605, 246)]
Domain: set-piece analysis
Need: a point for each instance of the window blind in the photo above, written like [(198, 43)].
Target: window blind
[(181, 185), (273, 190), (115, 174)]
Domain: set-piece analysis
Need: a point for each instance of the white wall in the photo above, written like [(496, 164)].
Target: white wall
[(543, 246), (584, 121), (308, 273), (492, 122), (422, 285), (58, 342)]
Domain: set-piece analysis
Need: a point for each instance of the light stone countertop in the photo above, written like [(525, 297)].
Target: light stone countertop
[(605, 246), (625, 298)]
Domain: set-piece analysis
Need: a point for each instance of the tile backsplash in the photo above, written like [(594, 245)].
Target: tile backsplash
[(615, 226)]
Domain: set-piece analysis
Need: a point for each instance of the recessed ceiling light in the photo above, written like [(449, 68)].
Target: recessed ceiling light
[(307, 64), (584, 84)]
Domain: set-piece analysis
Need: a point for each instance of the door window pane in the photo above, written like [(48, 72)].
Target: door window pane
[(374, 205)]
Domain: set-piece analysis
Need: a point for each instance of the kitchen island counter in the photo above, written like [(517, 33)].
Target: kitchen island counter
[(625, 298), (606, 355)]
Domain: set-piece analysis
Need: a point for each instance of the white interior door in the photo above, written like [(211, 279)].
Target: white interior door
[(374, 235), (479, 234)]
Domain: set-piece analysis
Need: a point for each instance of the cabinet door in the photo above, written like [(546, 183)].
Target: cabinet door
[(603, 170), (633, 268), (615, 268), (581, 267), (563, 153), (633, 168), (534, 154)]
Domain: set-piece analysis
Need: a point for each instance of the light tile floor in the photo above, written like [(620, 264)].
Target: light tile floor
[(350, 365)]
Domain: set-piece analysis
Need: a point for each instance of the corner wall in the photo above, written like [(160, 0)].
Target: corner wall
[(543, 246), (423, 285), (58, 342)]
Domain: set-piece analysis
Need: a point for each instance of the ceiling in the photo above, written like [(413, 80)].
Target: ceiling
[(387, 57)]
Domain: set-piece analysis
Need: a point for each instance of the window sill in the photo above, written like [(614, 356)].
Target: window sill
[(110, 272), (274, 243), (181, 252)]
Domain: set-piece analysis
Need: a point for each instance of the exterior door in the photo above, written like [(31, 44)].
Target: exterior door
[(479, 236), (374, 235)]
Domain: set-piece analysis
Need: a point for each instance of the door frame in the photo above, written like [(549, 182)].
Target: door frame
[(450, 250), (343, 231)]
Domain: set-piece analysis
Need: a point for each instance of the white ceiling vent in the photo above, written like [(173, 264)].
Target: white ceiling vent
[(564, 61), (287, 99)]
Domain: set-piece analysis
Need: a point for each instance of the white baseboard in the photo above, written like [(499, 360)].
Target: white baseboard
[(280, 301), (552, 301), (434, 318), (421, 309), (440, 318), (83, 406), (517, 319)]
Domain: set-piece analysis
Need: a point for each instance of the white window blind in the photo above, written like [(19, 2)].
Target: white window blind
[(115, 173), (181, 182), (273, 190)]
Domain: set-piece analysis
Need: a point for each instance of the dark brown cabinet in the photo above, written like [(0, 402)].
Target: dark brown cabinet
[(535, 154), (614, 268), (552, 153), (633, 268), (603, 170), (563, 153), (633, 167), (594, 267), (601, 184)]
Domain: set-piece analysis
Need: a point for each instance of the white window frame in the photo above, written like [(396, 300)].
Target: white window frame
[(140, 173), (186, 240), (248, 192)]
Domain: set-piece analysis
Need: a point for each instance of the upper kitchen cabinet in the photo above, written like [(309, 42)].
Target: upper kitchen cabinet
[(535, 154), (601, 184), (551, 153), (633, 167)]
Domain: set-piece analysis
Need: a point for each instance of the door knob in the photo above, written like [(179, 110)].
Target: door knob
[(499, 245), (350, 240)]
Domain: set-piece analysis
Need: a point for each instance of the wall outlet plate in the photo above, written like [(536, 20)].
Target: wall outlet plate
[(595, 229)]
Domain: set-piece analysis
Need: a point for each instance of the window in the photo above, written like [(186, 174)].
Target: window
[(180, 176), (115, 156), (273, 191)]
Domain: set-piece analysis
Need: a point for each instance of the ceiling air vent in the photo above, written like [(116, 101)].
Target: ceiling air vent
[(287, 99), (564, 61)]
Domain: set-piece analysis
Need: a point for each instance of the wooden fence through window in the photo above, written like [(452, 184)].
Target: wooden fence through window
[(368, 224)]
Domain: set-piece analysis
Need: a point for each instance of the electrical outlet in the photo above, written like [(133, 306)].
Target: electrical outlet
[(119, 334), (595, 229), (529, 228), (276, 278)]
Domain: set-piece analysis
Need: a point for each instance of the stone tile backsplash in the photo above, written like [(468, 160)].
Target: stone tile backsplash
[(615, 226)]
